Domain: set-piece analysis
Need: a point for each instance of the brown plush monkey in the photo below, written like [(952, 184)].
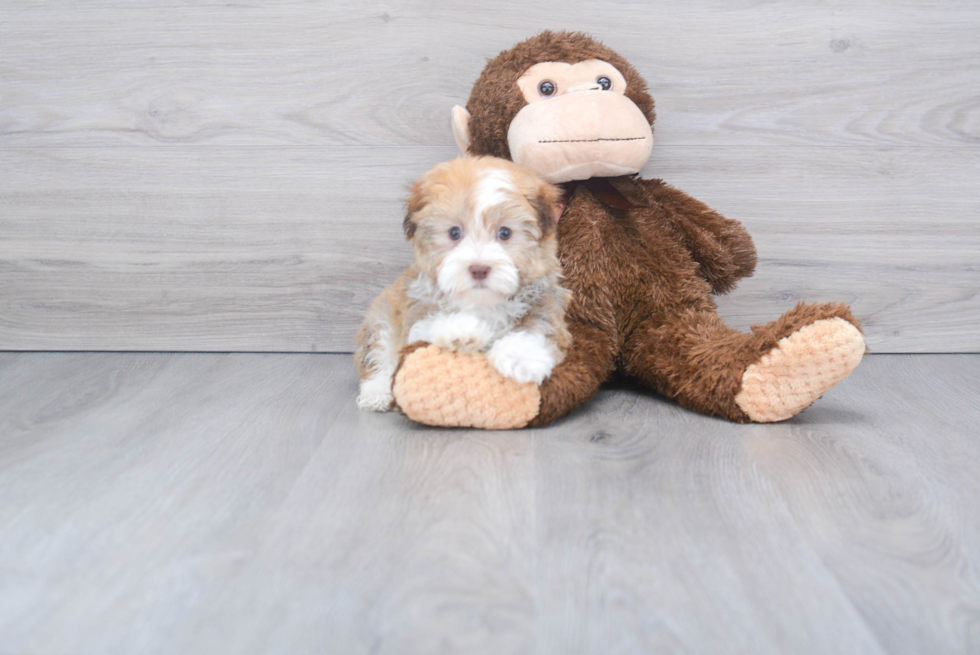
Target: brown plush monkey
[(640, 257)]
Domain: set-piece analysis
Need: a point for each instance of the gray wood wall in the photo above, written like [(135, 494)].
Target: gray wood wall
[(182, 176)]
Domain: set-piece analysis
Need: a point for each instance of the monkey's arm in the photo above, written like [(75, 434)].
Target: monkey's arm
[(721, 246)]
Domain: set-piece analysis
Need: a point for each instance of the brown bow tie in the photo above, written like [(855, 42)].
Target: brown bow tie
[(601, 188)]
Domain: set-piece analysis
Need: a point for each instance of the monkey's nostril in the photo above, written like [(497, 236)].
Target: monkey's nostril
[(479, 272)]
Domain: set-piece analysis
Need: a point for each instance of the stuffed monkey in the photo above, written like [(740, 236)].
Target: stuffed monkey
[(640, 257)]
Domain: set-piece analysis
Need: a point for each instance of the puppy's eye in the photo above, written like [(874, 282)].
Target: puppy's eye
[(547, 88), (455, 233), (604, 82), (504, 233)]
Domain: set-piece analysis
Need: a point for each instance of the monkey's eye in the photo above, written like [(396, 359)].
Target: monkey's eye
[(546, 88), (604, 82), (455, 233), (504, 233)]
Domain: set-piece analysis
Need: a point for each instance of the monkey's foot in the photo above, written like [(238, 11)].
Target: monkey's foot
[(804, 366), (452, 389)]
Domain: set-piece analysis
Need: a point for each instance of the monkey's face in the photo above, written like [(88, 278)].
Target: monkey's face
[(578, 123)]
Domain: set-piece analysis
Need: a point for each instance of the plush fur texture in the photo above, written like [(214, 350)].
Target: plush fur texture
[(641, 279), (642, 304), (485, 277)]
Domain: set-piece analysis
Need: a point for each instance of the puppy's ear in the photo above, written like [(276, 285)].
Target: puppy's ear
[(415, 202), (545, 204)]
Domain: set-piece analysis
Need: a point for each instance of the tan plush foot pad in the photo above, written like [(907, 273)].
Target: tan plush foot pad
[(800, 369), (439, 387)]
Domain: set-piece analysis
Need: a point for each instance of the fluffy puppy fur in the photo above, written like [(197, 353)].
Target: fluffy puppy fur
[(485, 277)]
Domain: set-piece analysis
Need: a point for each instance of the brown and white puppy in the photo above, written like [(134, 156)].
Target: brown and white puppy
[(485, 277)]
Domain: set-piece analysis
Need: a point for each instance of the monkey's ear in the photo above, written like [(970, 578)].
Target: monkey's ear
[(461, 128)]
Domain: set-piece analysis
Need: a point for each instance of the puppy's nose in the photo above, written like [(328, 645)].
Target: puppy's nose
[(479, 272)]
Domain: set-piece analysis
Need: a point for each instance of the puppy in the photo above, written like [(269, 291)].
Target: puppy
[(485, 277)]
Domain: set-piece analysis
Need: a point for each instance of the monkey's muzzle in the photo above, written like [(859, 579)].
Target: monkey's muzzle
[(576, 136)]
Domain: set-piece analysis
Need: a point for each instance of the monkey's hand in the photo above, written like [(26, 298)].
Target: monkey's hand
[(439, 387)]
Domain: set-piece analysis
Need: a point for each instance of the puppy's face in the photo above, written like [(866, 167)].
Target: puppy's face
[(482, 227)]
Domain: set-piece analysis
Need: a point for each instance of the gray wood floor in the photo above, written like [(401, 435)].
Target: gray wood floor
[(229, 176), (206, 503)]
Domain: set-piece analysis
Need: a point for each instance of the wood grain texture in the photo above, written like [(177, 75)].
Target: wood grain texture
[(264, 249), (792, 72), (213, 177), (199, 503)]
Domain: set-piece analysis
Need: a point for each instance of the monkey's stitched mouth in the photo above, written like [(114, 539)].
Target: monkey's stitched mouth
[(631, 138)]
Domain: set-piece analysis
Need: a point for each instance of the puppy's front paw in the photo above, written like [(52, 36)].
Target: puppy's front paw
[(522, 357), (460, 332), (376, 394)]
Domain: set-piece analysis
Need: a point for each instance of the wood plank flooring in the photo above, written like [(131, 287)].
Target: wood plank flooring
[(217, 177), (202, 503)]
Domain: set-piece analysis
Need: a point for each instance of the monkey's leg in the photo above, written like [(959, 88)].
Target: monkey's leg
[(439, 387), (588, 363), (769, 374)]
